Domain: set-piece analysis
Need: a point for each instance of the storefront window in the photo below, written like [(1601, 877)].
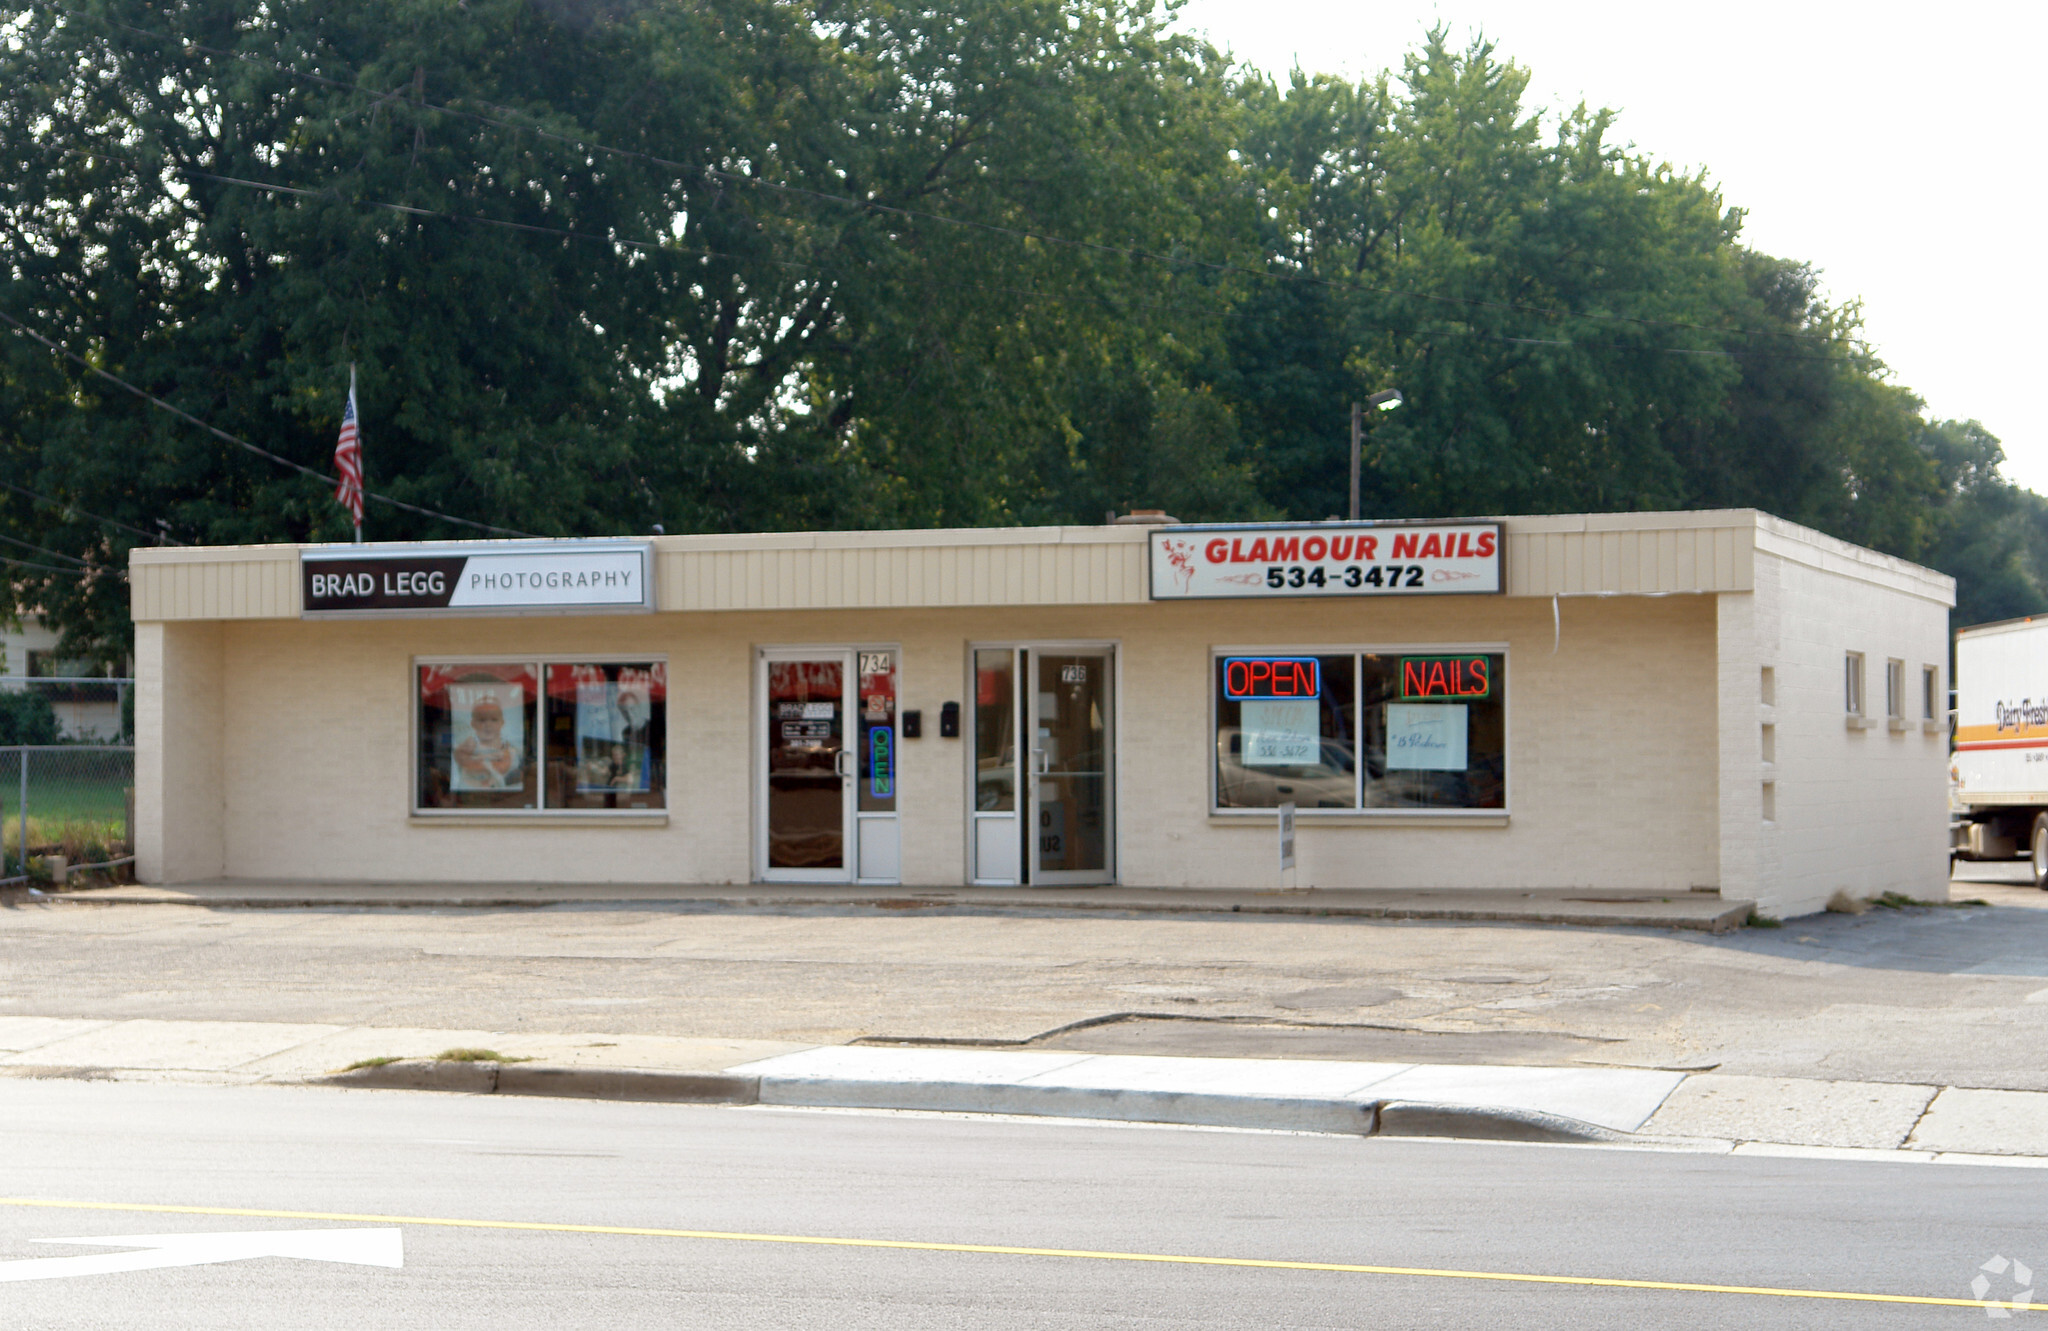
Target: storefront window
[(1435, 730), (1286, 732), (476, 731), (1395, 731), (607, 727), (534, 735)]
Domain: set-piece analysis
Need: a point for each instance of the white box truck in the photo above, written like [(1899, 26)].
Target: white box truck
[(1999, 771)]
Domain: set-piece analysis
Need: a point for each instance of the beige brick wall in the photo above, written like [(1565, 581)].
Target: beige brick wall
[(1613, 745), (179, 831), (1863, 811)]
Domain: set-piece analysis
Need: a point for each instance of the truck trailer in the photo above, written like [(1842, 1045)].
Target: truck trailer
[(1998, 774)]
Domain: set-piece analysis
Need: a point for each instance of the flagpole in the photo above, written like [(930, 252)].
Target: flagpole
[(359, 444)]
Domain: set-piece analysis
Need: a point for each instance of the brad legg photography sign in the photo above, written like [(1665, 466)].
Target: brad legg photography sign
[(1326, 559), (477, 578)]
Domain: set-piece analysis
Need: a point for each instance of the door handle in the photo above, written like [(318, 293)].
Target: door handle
[(842, 763), (1040, 764)]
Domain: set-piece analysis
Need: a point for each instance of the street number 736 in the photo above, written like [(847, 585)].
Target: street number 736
[(1283, 576)]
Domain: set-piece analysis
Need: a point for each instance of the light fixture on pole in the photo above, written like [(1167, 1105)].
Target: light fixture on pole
[(1385, 400)]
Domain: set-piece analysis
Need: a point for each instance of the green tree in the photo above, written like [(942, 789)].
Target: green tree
[(1540, 301), (734, 265), (744, 264)]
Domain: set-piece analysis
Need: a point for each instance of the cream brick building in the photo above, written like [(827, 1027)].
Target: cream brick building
[(1652, 702)]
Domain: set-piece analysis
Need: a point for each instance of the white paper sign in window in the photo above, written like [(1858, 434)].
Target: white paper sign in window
[(1426, 737), (1281, 734)]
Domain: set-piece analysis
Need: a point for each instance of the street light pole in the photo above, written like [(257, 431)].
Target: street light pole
[(1385, 400), (1357, 427)]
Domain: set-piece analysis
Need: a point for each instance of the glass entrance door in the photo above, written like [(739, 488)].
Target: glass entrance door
[(993, 821), (807, 805), (1070, 822)]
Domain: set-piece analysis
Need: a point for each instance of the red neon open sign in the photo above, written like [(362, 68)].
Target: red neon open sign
[(1258, 678)]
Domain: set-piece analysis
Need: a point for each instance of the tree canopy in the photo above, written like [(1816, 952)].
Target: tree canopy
[(603, 265)]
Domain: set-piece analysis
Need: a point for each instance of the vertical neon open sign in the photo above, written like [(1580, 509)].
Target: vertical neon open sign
[(881, 761)]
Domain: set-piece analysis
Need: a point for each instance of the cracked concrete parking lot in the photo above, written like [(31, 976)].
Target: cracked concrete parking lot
[(1941, 995)]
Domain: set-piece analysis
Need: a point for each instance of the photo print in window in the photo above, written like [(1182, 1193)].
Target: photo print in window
[(476, 736), (607, 728)]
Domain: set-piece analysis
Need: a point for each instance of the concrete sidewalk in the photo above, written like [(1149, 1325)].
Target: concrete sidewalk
[(1674, 910), (1907, 1123)]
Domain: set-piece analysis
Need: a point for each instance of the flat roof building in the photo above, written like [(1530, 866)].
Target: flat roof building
[(1654, 702)]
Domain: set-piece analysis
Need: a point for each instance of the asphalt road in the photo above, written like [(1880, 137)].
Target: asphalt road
[(1096, 1196)]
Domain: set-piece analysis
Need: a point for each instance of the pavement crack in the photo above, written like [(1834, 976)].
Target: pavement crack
[(1921, 1117)]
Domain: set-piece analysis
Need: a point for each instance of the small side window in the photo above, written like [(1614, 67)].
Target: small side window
[(1930, 689), (1895, 690), (1852, 684)]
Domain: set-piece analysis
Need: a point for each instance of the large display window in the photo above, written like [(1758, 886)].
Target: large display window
[(1361, 731), (540, 736)]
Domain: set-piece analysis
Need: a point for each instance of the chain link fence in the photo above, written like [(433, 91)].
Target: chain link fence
[(66, 809), (66, 709)]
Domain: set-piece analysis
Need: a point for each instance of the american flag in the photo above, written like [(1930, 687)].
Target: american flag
[(348, 460)]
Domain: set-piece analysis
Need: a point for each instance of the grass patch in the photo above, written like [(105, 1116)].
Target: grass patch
[(1899, 901), (475, 1056), (1757, 921), (377, 1062)]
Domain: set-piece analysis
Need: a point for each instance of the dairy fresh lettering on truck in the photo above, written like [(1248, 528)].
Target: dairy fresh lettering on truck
[(1326, 559)]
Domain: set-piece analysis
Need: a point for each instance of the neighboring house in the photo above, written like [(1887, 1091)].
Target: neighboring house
[(28, 651)]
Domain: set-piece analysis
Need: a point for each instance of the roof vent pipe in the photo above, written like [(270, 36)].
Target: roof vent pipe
[(1153, 517)]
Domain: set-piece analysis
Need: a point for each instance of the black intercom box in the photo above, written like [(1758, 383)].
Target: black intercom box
[(913, 725), (949, 721)]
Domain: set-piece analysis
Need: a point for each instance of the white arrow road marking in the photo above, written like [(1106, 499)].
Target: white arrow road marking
[(360, 1247)]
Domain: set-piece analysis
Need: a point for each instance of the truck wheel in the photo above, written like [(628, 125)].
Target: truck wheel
[(2040, 850)]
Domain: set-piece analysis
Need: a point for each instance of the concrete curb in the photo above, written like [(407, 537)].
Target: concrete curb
[(1404, 1118), (1115, 1104), (1730, 915), (1367, 1118), (482, 1078)]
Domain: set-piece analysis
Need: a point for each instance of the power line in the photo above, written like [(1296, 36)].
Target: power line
[(665, 247), (873, 206), (187, 416), (97, 517), (86, 564), (47, 568)]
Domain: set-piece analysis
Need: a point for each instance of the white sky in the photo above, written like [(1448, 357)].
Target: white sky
[(1895, 147)]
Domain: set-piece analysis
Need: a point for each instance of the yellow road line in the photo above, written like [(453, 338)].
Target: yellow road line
[(1007, 1250)]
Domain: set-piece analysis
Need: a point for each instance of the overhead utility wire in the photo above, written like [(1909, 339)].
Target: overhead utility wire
[(187, 416), (47, 568), (654, 246), (870, 205), (97, 517), (666, 247), (46, 550)]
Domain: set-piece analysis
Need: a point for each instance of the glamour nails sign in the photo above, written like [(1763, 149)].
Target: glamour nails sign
[(482, 577), (1327, 559)]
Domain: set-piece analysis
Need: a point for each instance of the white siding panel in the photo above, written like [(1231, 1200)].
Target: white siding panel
[(1600, 554)]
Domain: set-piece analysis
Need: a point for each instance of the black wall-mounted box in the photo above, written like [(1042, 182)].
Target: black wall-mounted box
[(913, 725), (949, 721)]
